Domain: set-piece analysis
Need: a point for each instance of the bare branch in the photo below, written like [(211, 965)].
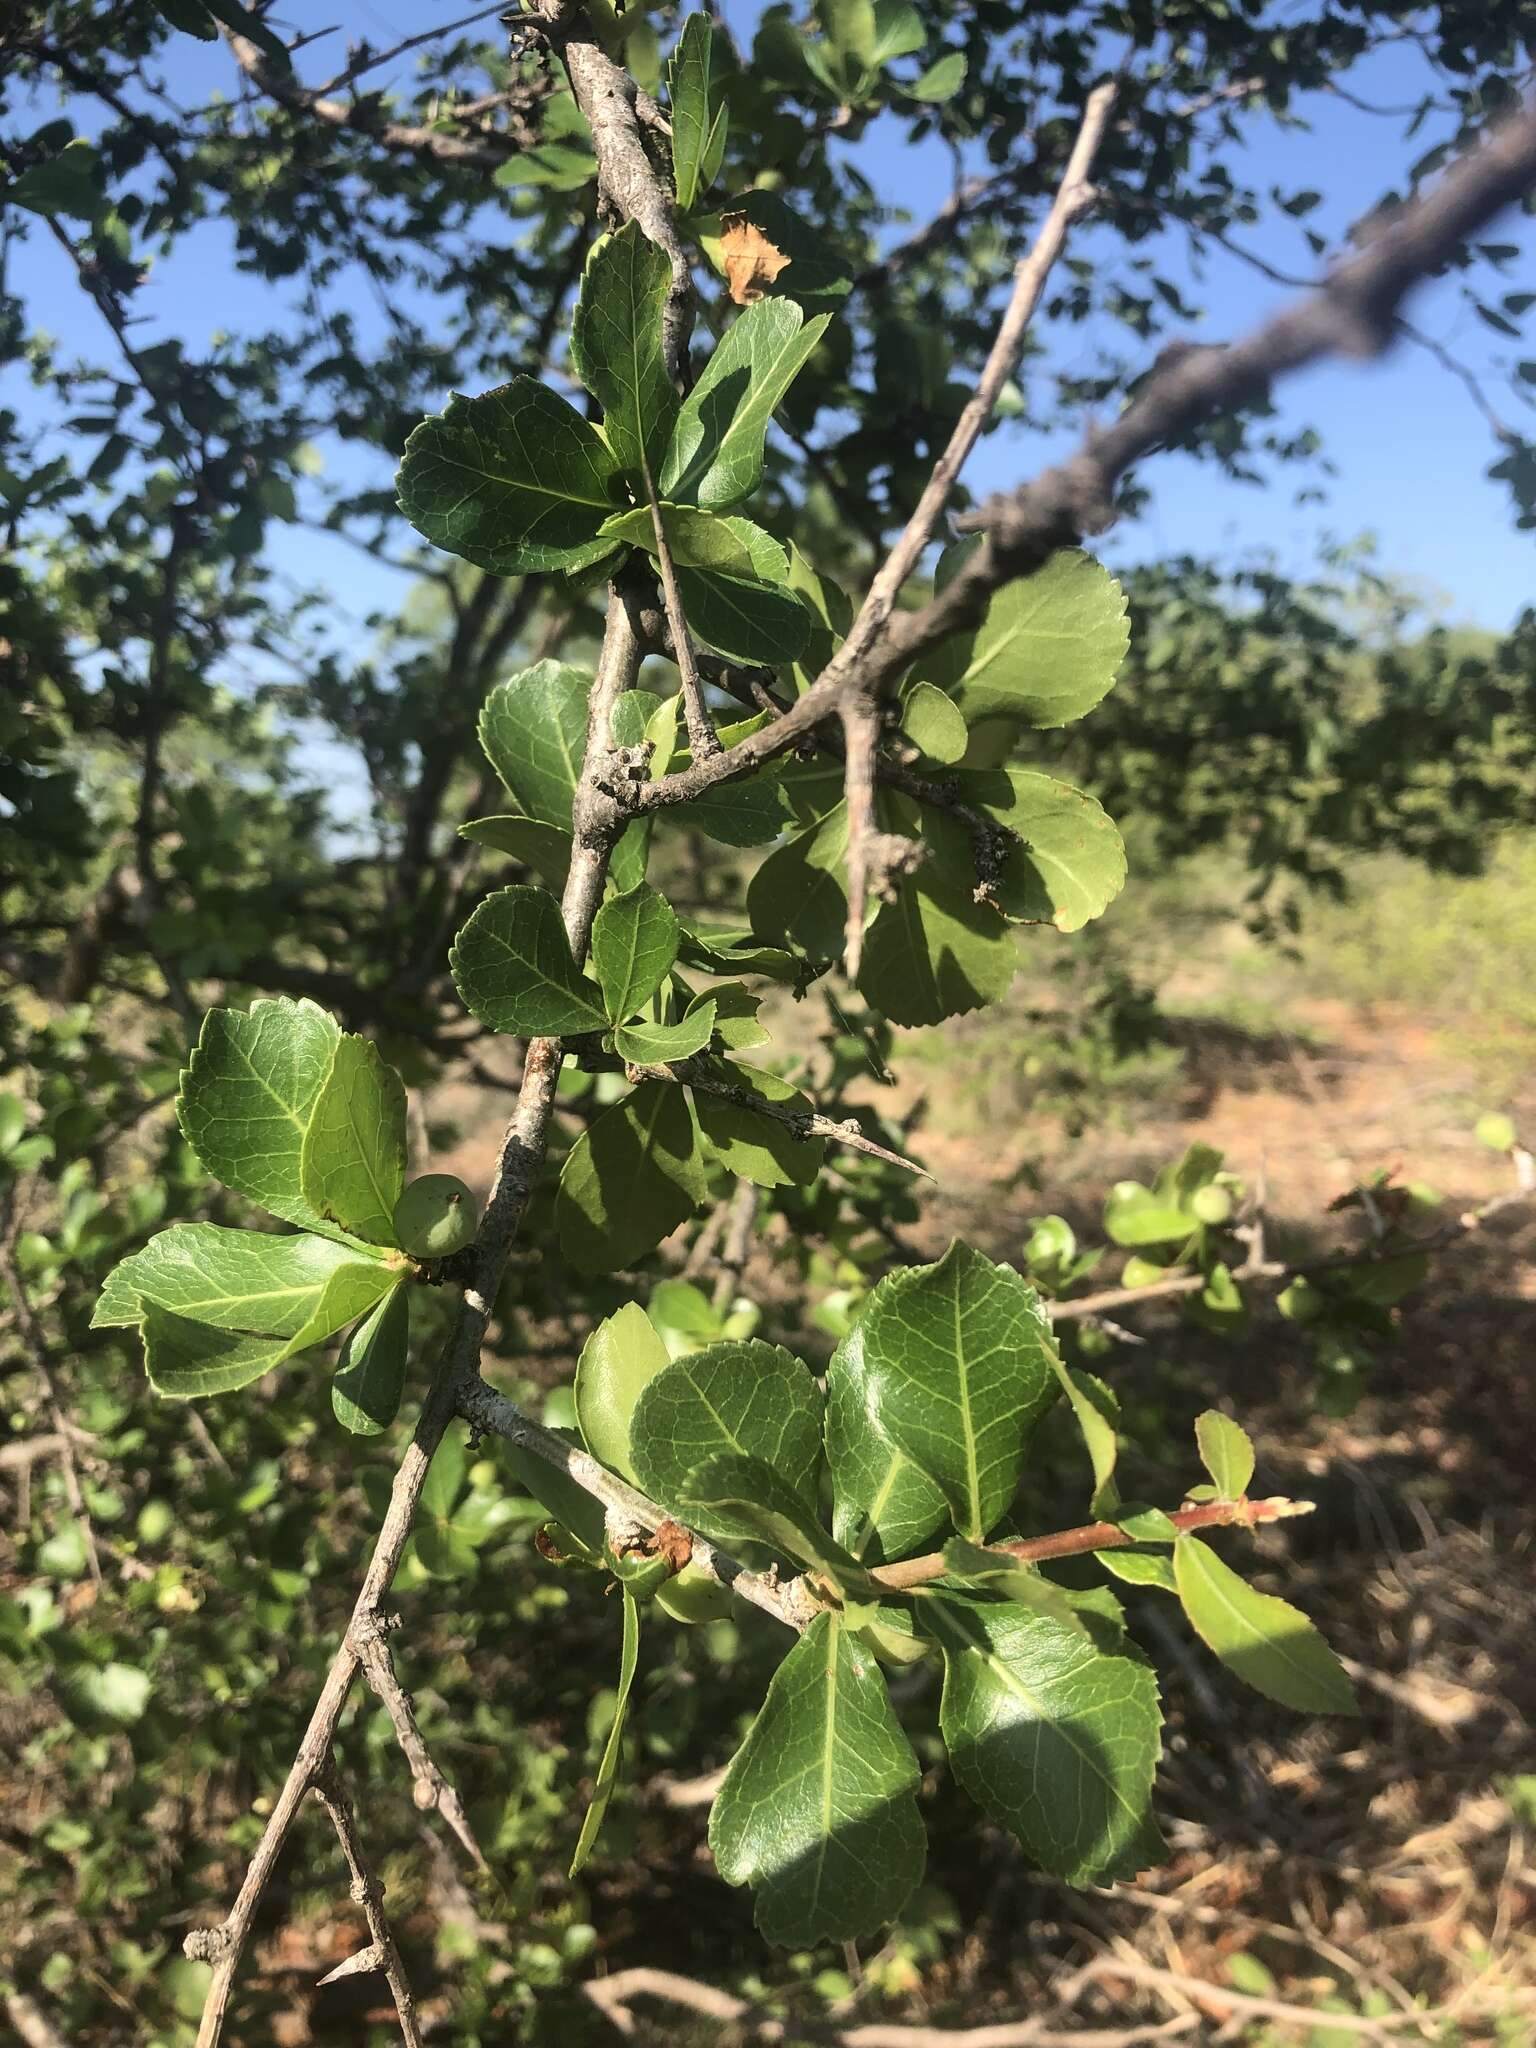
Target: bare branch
[(1220, 2004), (703, 740), (871, 859), (736, 1249), (33, 2027), (517, 1170), (370, 60), (614, 1995), (368, 1893), (1353, 313), (614, 106), (42, 1364), (433, 1789), (485, 150)]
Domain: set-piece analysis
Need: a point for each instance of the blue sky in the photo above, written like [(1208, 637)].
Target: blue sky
[(1410, 448)]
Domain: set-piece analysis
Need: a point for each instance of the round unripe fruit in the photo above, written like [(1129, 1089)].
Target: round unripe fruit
[(1495, 1130), (435, 1217), (482, 1474), (1212, 1204)]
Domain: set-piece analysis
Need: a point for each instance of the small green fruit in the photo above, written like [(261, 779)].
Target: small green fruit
[(482, 1474), (1495, 1130), (1212, 1205), (436, 1216)]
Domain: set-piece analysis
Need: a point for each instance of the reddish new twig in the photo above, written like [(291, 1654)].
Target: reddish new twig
[(1215, 1514)]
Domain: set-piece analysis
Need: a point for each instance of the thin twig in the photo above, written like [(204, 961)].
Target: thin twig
[(42, 1364), (737, 1246), (33, 2027), (613, 1996), (370, 60), (867, 856), (1215, 1514), (485, 1409), (486, 150), (1352, 313), (703, 740), (597, 825), (434, 1790), (1277, 1273), (1220, 2001), (804, 1123), (368, 1894)]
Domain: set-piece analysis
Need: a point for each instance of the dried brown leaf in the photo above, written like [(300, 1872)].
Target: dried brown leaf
[(751, 260)]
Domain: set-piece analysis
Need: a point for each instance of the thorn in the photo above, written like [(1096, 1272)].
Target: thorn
[(366, 1959)]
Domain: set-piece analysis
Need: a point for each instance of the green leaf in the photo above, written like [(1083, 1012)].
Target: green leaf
[(932, 722), (1269, 1644), (1096, 1412), (698, 122), (941, 81), (955, 1360), (798, 895), (247, 23), (68, 183), (751, 1399), (634, 944), (247, 1096), (533, 728), (655, 1044), (370, 1374), (744, 1500), (1139, 1568), (445, 1477), (1052, 1735), (884, 1506), (765, 1151), (850, 27), (513, 480), (616, 347), (111, 1692), (1069, 864), (935, 953), (352, 1159), (726, 949), (239, 1280), (1134, 1215), (512, 966), (192, 16), (817, 1811), (630, 1179), (1225, 1452), (716, 456), (898, 30), (618, 1362), (737, 1024), (608, 1768), (218, 1308), (558, 166), (733, 579), (998, 1571), (1048, 648), (544, 848)]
